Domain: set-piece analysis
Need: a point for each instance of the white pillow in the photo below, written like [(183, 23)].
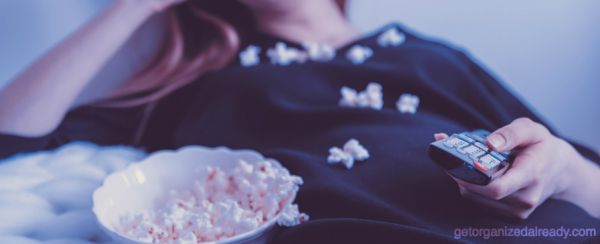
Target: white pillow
[(48, 195)]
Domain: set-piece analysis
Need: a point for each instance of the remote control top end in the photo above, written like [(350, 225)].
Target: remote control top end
[(466, 156)]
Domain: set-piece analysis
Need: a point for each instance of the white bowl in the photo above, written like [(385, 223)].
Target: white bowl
[(141, 185)]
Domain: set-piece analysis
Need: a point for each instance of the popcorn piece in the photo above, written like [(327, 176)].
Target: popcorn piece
[(408, 103), (371, 97), (187, 238), (291, 216), (391, 38), (349, 97), (356, 150), (282, 55), (351, 152), (250, 56), (337, 155), (359, 54), (220, 204), (319, 52)]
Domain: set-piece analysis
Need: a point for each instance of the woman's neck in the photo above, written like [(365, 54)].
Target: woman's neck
[(309, 21)]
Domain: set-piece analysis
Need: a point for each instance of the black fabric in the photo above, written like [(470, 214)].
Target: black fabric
[(345, 230), (291, 113), (11, 145), (103, 126)]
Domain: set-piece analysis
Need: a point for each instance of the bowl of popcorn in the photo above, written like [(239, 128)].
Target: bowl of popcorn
[(198, 195)]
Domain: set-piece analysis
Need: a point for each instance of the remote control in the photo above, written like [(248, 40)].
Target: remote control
[(465, 156)]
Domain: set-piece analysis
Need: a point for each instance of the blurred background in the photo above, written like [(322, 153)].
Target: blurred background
[(546, 51)]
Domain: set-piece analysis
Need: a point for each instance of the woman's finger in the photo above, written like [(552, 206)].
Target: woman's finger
[(440, 136), (519, 176), (521, 132)]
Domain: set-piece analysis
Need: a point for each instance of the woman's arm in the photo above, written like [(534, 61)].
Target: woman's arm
[(584, 189), (545, 167), (36, 102)]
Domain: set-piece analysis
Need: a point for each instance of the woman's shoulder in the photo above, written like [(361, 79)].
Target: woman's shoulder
[(398, 44)]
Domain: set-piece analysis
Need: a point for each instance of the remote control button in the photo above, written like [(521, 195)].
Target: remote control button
[(454, 142), (489, 162), (473, 151), (498, 156), (479, 166), (482, 146), (477, 138), (466, 138)]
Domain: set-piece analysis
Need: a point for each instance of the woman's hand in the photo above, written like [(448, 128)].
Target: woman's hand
[(545, 167)]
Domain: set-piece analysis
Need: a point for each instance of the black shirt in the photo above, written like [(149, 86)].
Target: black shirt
[(291, 113)]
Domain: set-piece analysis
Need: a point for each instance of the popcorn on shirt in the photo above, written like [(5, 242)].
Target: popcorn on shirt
[(371, 97), (250, 56), (391, 38), (351, 152), (319, 52), (408, 103), (283, 55), (359, 54)]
